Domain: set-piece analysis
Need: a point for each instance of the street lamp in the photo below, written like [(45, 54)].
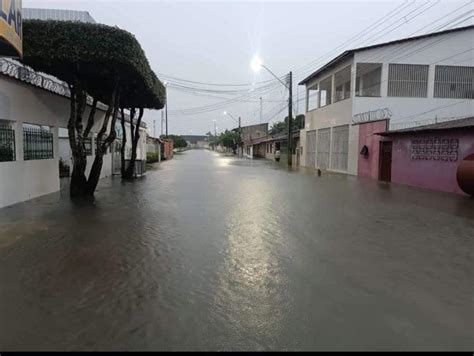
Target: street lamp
[(256, 63)]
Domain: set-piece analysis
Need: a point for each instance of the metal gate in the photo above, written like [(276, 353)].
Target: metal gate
[(340, 148), (311, 149), (324, 147)]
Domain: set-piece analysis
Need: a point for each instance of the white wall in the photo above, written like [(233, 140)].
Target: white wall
[(336, 114), (439, 50), (21, 103)]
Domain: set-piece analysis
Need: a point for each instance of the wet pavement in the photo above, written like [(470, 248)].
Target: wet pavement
[(217, 253)]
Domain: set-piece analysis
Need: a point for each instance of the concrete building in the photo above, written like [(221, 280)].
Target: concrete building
[(196, 141), (412, 81), (427, 156), (34, 111), (252, 136)]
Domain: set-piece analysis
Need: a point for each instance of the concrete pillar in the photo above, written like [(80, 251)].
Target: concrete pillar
[(384, 81), (19, 153), (431, 80)]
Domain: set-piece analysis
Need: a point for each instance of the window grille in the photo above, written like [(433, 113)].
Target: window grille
[(340, 148), (7, 143), (88, 146), (454, 82), (37, 143), (323, 143), (408, 80)]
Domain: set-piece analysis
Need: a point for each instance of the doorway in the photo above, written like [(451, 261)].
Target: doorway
[(385, 168)]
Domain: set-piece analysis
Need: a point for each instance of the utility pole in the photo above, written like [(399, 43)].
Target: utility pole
[(240, 137), (162, 121), (261, 108), (154, 128), (290, 118), (215, 136), (166, 113)]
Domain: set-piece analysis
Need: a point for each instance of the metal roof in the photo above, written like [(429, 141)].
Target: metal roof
[(465, 123), (56, 14), (350, 52)]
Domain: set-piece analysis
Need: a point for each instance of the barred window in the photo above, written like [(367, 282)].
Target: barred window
[(408, 80), (454, 82), (368, 79), (88, 146), (7, 142), (37, 142), (342, 82)]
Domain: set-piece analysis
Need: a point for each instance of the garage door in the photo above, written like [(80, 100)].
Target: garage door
[(323, 144), (311, 149), (340, 148)]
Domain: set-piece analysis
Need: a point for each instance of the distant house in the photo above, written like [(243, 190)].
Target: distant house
[(196, 141), (251, 137)]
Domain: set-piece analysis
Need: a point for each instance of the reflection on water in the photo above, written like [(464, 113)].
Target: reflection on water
[(211, 252)]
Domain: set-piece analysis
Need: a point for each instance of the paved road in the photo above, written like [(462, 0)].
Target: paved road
[(217, 253)]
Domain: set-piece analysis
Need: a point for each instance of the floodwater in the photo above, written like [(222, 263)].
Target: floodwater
[(210, 252)]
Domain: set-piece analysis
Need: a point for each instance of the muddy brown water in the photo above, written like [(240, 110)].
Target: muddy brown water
[(209, 252)]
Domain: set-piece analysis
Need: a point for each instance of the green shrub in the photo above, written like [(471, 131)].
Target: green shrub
[(151, 157)]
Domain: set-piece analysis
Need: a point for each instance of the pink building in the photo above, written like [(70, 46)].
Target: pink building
[(424, 156)]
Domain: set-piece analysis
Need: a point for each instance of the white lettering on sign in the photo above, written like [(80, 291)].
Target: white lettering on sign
[(374, 115)]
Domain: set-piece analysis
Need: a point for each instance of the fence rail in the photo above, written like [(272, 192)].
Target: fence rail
[(37, 144), (7, 144)]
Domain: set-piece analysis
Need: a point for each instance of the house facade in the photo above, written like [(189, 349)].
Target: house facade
[(409, 82), (34, 111)]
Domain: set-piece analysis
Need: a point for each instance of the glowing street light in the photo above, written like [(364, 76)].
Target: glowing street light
[(256, 63)]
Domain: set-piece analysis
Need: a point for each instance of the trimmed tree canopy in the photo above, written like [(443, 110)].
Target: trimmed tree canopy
[(96, 55)]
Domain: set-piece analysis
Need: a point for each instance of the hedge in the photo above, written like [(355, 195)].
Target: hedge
[(95, 54)]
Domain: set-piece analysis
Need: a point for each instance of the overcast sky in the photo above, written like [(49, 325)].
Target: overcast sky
[(214, 42)]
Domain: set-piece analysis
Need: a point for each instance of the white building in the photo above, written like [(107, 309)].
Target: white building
[(34, 111), (412, 81), (34, 108)]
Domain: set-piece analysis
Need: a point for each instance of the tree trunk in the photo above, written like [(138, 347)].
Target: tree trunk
[(103, 144), (135, 133), (78, 183), (124, 143)]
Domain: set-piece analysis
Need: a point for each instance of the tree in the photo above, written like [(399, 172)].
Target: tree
[(282, 126), (178, 141), (229, 139), (100, 64)]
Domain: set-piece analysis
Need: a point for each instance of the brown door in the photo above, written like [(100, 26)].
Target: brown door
[(385, 171)]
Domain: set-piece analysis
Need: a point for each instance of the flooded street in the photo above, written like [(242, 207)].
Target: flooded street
[(209, 252)]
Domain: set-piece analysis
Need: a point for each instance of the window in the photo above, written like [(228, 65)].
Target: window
[(342, 82), (368, 79), (37, 142), (312, 95), (326, 91), (88, 146), (454, 82), (7, 142), (408, 80)]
